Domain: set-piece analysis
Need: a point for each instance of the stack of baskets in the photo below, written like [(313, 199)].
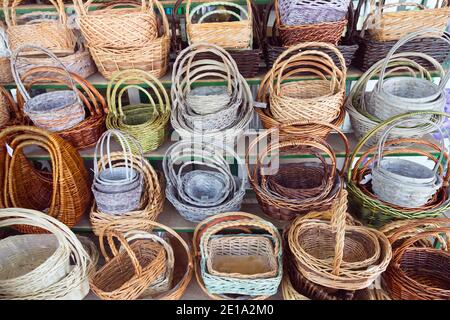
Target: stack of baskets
[(233, 27), (383, 28), (310, 21), (399, 94), (239, 257), (47, 266), (63, 193), (308, 100), (219, 113), (200, 183), (330, 260), (145, 121), (126, 35), (421, 262), (287, 190), (373, 181), (126, 186)]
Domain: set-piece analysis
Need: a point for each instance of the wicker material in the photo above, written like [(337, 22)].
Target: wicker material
[(114, 27), (64, 194), (319, 192), (250, 281), (367, 206), (86, 133), (145, 121), (227, 34), (5, 53), (295, 12), (54, 35), (419, 269), (9, 112), (43, 267), (383, 25), (152, 56)]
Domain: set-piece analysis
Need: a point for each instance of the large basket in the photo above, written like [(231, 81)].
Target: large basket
[(120, 24), (383, 25), (145, 121), (153, 56), (367, 206), (64, 193), (228, 34), (297, 12), (5, 54), (255, 271), (46, 266), (86, 133), (419, 268), (54, 35)]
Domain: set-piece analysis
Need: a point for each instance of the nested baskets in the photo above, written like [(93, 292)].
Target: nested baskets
[(372, 210), (200, 183), (336, 255), (238, 254), (63, 193), (42, 266), (5, 55), (145, 121), (53, 111), (86, 133), (383, 25), (236, 32), (286, 190), (421, 261), (53, 35), (218, 114)]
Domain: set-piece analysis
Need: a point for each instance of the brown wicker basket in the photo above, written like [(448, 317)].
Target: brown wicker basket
[(9, 113)]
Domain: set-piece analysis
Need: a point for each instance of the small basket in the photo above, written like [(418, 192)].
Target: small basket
[(43, 267), (112, 26), (297, 12), (257, 269), (383, 25), (146, 122), (42, 31), (5, 54), (53, 111), (419, 272), (228, 34)]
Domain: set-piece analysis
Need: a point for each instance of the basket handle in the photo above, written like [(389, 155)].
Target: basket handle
[(383, 139), (18, 80), (338, 222), (430, 32), (247, 12), (11, 17)]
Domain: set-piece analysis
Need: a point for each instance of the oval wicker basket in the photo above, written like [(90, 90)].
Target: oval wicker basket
[(298, 12)]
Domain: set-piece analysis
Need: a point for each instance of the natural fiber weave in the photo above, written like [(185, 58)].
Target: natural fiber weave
[(54, 35), (295, 12), (42, 267), (5, 54), (9, 112), (64, 193)]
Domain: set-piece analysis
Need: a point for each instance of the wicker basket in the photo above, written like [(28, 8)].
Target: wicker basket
[(297, 12), (419, 269), (5, 64), (146, 121), (64, 194), (383, 25), (152, 56), (86, 133), (226, 34), (200, 183), (368, 207), (43, 267), (9, 112), (117, 25), (54, 35), (244, 263)]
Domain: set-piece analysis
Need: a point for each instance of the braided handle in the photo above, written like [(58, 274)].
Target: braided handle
[(11, 17)]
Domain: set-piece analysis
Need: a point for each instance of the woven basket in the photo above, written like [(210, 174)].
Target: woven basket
[(368, 207), (226, 34), (86, 133), (9, 113), (246, 275), (53, 35), (42, 267), (297, 12), (53, 111), (117, 25), (319, 194), (200, 183), (5, 64), (383, 25), (152, 56), (145, 121), (419, 271), (64, 193)]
